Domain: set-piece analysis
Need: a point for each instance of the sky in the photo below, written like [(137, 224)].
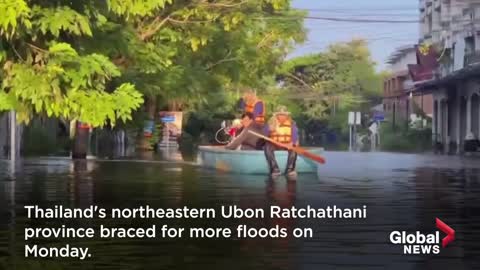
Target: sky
[(383, 38)]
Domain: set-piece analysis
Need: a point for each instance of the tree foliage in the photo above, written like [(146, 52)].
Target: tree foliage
[(46, 71), (341, 78), (203, 48), (88, 60)]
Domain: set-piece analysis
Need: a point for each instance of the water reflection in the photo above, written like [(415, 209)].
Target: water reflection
[(80, 184), (405, 193)]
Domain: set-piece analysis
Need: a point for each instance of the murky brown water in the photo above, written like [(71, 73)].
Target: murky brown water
[(402, 192)]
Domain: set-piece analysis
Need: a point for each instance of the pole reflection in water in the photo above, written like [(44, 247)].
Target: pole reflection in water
[(10, 194), (282, 192)]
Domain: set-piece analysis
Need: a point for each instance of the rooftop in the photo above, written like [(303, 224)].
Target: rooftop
[(399, 53)]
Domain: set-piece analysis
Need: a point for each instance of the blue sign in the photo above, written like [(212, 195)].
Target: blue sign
[(148, 128), (379, 116), (168, 119)]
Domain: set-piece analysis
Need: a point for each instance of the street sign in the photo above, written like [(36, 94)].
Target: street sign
[(354, 118), (168, 119), (148, 126), (379, 116), (358, 118), (351, 118)]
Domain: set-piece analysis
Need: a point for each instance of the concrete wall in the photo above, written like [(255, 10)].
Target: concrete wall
[(425, 102), (432, 18)]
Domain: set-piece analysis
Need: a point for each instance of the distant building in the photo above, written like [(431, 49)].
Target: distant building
[(450, 71), (400, 101)]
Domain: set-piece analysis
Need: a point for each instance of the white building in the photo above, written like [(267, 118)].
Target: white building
[(453, 28)]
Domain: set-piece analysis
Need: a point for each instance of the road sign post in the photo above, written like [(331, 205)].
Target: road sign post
[(378, 116), (354, 119), (351, 123)]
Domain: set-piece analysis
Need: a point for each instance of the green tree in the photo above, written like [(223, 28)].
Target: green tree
[(218, 46), (46, 70), (342, 77), (329, 84), (90, 60), (195, 56)]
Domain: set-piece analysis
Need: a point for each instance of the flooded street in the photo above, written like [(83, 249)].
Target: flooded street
[(401, 192)]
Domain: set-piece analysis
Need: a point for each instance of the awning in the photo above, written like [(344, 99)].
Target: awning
[(450, 79)]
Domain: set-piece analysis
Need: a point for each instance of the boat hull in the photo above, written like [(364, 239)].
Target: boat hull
[(249, 162)]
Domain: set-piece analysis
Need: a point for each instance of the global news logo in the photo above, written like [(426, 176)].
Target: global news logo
[(418, 243)]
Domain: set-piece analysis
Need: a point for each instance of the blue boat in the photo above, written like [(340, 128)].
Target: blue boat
[(249, 162)]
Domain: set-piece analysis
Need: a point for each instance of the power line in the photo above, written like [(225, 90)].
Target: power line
[(361, 13), (354, 20), (349, 28), (367, 39), (342, 9), (359, 20), (348, 20), (375, 15), (465, 4)]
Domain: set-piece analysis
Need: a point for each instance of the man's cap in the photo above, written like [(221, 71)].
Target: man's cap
[(282, 110)]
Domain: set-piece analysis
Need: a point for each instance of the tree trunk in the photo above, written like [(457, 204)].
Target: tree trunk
[(80, 142), (175, 105)]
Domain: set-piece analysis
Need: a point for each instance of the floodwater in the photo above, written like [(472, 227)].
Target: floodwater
[(401, 192)]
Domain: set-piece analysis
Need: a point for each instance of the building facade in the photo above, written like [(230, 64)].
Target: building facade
[(399, 103), (452, 27)]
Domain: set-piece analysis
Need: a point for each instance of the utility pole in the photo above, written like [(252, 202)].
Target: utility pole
[(13, 137), (354, 138), (13, 143), (334, 106), (350, 149), (423, 112)]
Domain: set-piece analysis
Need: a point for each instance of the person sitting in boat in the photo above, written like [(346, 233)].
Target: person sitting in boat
[(245, 140), (236, 128), (250, 103), (282, 129)]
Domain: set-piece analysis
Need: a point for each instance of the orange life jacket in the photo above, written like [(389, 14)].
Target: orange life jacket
[(283, 133), (250, 107)]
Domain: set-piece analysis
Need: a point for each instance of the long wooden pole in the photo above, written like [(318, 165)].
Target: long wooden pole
[(295, 149)]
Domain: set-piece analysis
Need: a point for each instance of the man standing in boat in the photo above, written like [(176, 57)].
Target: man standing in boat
[(245, 140), (282, 129), (250, 103)]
